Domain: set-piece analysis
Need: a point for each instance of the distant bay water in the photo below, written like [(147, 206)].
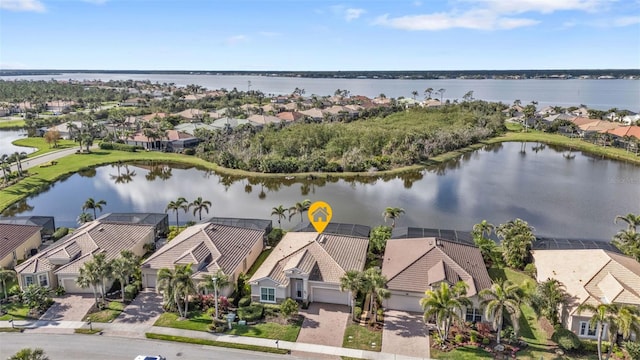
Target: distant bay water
[(597, 94)]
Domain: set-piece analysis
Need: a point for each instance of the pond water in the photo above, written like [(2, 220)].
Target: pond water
[(9, 136), (560, 193)]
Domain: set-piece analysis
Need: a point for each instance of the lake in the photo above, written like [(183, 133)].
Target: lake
[(597, 94), (9, 136), (558, 193)]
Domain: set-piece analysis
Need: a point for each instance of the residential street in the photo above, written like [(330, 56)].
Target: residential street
[(42, 159), (58, 347)]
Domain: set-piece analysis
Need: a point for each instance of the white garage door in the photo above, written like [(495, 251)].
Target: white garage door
[(403, 302), (71, 287), (150, 280), (330, 296)]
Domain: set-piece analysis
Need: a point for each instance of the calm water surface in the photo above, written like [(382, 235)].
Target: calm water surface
[(559, 195), (6, 139), (597, 94)]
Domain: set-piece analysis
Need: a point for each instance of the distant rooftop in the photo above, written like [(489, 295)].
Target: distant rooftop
[(255, 224), (46, 222), (546, 243), (463, 237), (338, 229), (133, 218)]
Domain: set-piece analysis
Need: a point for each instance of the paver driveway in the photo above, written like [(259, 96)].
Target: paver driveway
[(70, 307), (324, 324), (143, 310), (405, 334)]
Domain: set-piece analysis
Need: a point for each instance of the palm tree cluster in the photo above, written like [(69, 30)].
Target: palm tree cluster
[(517, 237), (6, 275), (370, 282), (614, 319), (298, 208), (392, 213), (5, 164), (491, 254), (444, 306), (504, 297), (628, 240), (198, 205), (176, 285), (97, 272), (548, 300), (90, 204)]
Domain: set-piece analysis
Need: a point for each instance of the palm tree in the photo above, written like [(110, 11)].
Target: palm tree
[(29, 354), (165, 285), (180, 203), (185, 285), (548, 298), (92, 204), (176, 283), (633, 221), (84, 218), (218, 281), (299, 208), (628, 241), (352, 281), (503, 296), (89, 278), (280, 213), (628, 321), (603, 316), (483, 228), (103, 270), (198, 205), (392, 213), (374, 283), (517, 237), (121, 269), (6, 275), (444, 304)]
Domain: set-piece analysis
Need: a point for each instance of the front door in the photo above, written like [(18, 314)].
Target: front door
[(297, 290)]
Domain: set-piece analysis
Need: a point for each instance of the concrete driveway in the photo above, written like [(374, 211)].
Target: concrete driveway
[(324, 324), (405, 334), (143, 310), (70, 307)]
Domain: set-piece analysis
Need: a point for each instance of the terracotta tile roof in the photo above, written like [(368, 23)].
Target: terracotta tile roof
[(209, 247), (581, 120), (325, 257), (599, 125), (264, 119), (313, 113), (12, 236), (623, 131), (430, 261), (290, 116)]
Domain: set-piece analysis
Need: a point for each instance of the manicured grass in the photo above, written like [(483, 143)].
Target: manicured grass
[(11, 124), (361, 337), (261, 258), (268, 330), (113, 309), (42, 146), (17, 311), (197, 321), (8, 329), (515, 276), (87, 331), (461, 353), (216, 343)]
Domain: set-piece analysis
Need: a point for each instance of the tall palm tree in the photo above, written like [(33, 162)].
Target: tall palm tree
[(93, 205), (628, 321), (280, 212), (218, 281), (603, 317), (122, 269), (89, 278), (185, 285), (548, 298), (180, 203), (444, 304), (29, 354), (633, 221), (517, 237), (103, 270), (503, 296), (628, 241), (299, 208), (374, 283), (198, 205), (174, 284), (352, 281), (392, 213), (6, 275), (166, 286), (84, 218), (483, 228)]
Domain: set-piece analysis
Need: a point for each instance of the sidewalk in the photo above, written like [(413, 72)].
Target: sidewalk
[(126, 330)]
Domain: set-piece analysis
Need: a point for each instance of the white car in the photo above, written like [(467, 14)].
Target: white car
[(150, 357)]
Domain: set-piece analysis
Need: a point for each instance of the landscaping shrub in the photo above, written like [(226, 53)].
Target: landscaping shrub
[(130, 291), (484, 329), (274, 237), (530, 269), (289, 307), (245, 301), (486, 341), (380, 315), (473, 336), (566, 339), (592, 346), (458, 339), (357, 311), (633, 348), (218, 325), (120, 147), (205, 302), (59, 291), (251, 313), (271, 309), (60, 233), (189, 151)]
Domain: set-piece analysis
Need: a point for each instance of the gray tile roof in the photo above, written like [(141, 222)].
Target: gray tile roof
[(12, 236)]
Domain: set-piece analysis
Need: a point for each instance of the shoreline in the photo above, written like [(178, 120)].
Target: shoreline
[(42, 178)]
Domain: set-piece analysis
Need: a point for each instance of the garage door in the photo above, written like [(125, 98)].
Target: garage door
[(71, 287), (403, 302), (150, 280), (330, 296)]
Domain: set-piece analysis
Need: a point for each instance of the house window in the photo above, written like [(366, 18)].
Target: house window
[(473, 315), (268, 295), (586, 330), (28, 280), (43, 280)]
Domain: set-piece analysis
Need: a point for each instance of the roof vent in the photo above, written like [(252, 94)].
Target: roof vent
[(322, 239)]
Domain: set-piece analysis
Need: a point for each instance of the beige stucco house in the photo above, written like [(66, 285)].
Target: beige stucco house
[(17, 242), (307, 266), (208, 247), (413, 266), (60, 263), (592, 276)]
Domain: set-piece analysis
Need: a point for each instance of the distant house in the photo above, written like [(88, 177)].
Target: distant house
[(134, 102), (46, 223), (590, 276), (58, 106), (414, 265), (18, 242), (172, 141), (261, 120), (314, 114), (290, 116), (307, 266)]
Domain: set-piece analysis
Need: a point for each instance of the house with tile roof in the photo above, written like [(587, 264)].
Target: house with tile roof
[(590, 276), (307, 266), (432, 261), (209, 247), (17, 242), (60, 263)]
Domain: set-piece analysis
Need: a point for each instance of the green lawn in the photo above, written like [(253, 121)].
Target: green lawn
[(261, 258), (362, 338), (42, 146), (87, 331), (17, 311), (197, 321), (461, 353), (268, 330), (216, 343), (11, 124), (106, 315)]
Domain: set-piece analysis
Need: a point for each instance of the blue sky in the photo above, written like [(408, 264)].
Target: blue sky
[(319, 35)]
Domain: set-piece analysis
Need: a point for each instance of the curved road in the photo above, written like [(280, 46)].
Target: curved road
[(45, 158), (84, 347)]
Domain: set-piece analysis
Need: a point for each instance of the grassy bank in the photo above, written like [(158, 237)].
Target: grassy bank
[(42, 146), (11, 124), (215, 343)]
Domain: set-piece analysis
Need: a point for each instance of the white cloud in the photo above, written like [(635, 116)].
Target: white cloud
[(626, 21), (22, 5), (96, 2), (352, 14), (474, 19), (235, 39), (417, 3), (541, 6)]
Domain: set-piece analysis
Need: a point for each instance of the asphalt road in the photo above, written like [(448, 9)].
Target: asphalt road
[(89, 347), (42, 159)]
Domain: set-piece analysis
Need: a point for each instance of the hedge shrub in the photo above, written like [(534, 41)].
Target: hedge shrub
[(60, 233), (130, 291), (245, 301), (120, 147), (566, 339), (251, 313)]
